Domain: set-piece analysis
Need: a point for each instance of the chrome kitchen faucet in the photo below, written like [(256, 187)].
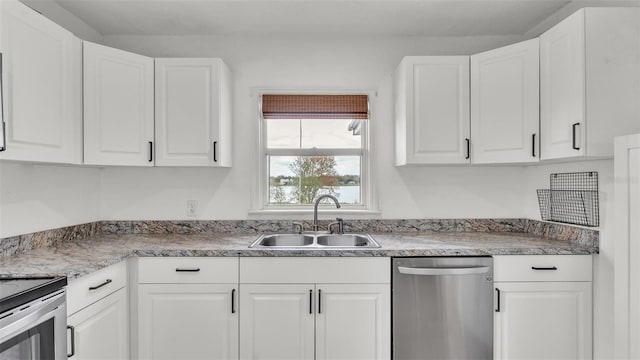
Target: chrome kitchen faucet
[(315, 208)]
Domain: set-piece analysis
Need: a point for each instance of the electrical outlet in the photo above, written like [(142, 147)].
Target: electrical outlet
[(192, 207)]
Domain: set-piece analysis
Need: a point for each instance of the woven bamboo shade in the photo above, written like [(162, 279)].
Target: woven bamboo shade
[(355, 107)]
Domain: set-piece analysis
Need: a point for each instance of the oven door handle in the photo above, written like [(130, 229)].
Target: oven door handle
[(443, 270)]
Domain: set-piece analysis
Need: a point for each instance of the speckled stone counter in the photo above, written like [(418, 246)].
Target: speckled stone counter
[(80, 256)]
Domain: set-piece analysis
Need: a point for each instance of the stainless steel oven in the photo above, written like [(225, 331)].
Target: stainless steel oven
[(33, 319)]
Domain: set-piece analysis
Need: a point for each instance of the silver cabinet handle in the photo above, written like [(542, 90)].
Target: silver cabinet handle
[(443, 271)]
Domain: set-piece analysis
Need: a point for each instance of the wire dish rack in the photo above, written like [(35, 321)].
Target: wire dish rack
[(572, 198)]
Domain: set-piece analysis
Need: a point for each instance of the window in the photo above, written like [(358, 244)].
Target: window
[(314, 145)]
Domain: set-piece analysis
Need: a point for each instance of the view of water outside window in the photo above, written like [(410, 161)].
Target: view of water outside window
[(299, 179)]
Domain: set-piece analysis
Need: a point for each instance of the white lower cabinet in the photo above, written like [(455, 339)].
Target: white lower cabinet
[(315, 308), (277, 321), (352, 321), (547, 320), (187, 321), (187, 308), (100, 331), (98, 315), (543, 307)]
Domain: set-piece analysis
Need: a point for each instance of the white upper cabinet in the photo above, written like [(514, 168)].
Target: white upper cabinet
[(505, 104), (118, 107), (193, 112), (42, 87), (432, 110), (589, 86)]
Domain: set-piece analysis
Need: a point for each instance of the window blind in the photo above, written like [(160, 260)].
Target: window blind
[(355, 107)]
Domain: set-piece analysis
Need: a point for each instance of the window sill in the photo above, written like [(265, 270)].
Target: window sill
[(305, 214)]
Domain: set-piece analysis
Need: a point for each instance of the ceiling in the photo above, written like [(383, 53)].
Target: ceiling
[(348, 17)]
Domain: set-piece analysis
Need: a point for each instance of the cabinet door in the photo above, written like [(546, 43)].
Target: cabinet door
[(118, 107), (277, 321), (353, 321), (192, 112), (562, 89), (543, 320), (101, 330), (187, 321), (627, 248), (42, 87), (505, 117), (432, 110)]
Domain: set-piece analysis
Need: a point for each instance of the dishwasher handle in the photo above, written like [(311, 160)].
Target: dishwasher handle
[(443, 270)]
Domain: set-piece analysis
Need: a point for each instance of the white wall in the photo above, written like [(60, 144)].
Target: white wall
[(537, 177), (35, 197), (290, 62)]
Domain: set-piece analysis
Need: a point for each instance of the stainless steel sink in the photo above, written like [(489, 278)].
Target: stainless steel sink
[(346, 240), (315, 241), (286, 240)]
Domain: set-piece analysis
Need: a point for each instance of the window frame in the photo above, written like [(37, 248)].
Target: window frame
[(261, 184)]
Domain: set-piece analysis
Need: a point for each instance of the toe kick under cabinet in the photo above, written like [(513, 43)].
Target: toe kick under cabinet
[(543, 307)]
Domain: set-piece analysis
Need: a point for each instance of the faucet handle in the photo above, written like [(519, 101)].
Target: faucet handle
[(299, 225), (340, 226)]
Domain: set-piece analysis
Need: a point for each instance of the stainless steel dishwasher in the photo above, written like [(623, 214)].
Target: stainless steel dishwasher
[(442, 308)]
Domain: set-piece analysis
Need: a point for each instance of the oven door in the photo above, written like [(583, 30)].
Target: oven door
[(36, 330)]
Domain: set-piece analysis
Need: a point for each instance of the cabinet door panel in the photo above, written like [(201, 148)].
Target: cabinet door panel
[(353, 321), (187, 321), (432, 110), (505, 104), (276, 322), (192, 112), (118, 106), (42, 87), (562, 88), (549, 320), (101, 329), (440, 110)]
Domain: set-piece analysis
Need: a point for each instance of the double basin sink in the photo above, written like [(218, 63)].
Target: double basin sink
[(315, 241)]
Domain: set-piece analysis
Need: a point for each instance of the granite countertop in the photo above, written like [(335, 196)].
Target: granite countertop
[(78, 257)]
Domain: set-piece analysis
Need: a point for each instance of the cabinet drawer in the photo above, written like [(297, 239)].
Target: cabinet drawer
[(188, 270), (542, 268), (336, 270), (93, 287)]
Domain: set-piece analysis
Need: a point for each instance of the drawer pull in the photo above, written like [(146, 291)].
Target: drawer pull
[(187, 269), (544, 268), (106, 282)]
